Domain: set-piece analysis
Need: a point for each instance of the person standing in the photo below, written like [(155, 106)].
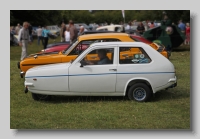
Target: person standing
[(152, 25), (17, 28), (24, 39), (73, 31), (45, 35), (30, 28), (82, 29), (181, 25), (39, 34), (67, 35), (140, 28), (187, 33), (62, 32), (128, 27)]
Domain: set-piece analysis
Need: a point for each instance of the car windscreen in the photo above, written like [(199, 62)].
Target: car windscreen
[(71, 45)]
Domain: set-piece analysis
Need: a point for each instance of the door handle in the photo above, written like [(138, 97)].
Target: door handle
[(112, 69)]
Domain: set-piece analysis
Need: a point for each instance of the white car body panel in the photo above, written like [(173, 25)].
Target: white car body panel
[(49, 77), (111, 28), (99, 80)]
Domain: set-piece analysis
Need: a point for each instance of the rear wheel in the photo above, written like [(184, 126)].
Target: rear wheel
[(139, 92), (41, 97)]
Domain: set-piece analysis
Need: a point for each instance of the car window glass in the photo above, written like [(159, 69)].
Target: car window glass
[(99, 57), (83, 45), (117, 29), (133, 55)]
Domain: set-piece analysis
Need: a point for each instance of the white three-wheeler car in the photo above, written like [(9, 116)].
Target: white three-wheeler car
[(105, 69)]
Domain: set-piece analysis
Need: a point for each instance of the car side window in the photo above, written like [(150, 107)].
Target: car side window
[(118, 29), (83, 45), (99, 57), (103, 29), (133, 55)]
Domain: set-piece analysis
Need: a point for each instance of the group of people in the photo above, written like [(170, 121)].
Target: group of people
[(185, 28), (69, 32), (25, 37), (140, 27), (16, 30)]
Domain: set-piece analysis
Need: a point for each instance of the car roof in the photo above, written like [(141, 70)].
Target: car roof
[(102, 35), (122, 44), (97, 31), (111, 26)]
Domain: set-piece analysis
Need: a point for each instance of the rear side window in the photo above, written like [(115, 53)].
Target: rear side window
[(133, 55), (105, 29)]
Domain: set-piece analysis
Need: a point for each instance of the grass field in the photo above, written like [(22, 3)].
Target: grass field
[(169, 109)]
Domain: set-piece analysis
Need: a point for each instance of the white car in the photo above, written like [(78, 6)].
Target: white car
[(117, 28), (54, 29), (130, 69)]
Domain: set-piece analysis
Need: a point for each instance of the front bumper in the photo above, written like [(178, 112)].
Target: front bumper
[(21, 74)]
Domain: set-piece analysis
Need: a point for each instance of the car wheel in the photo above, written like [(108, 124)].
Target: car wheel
[(40, 97), (18, 65), (139, 92)]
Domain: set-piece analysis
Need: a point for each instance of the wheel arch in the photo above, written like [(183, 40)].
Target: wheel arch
[(133, 81)]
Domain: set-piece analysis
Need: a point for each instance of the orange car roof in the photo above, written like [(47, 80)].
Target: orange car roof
[(102, 35)]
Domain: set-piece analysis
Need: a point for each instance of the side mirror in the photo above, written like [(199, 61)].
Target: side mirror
[(83, 63)]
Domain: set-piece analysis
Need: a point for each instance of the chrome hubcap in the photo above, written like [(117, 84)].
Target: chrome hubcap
[(139, 93)]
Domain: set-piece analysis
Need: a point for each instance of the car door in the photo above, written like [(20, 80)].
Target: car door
[(93, 78), (134, 64)]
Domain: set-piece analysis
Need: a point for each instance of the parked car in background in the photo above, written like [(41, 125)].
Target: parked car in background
[(130, 69), (54, 29), (93, 26), (57, 47), (86, 27), (74, 49), (116, 28), (34, 33), (60, 46)]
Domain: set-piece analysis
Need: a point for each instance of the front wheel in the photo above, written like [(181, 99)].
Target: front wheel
[(41, 97), (139, 92)]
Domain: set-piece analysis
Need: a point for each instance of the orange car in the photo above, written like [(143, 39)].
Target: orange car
[(75, 49)]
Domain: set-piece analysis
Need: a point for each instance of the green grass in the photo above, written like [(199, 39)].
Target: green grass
[(169, 109)]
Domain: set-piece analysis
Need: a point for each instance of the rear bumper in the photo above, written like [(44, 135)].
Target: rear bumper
[(172, 86), (174, 81)]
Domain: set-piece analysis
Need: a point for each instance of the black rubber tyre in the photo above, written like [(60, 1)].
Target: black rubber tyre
[(18, 65), (38, 97), (21, 75), (139, 92)]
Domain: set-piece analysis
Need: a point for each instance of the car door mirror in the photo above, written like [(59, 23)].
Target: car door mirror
[(83, 63)]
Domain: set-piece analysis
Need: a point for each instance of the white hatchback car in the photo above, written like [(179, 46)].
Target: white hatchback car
[(105, 69)]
